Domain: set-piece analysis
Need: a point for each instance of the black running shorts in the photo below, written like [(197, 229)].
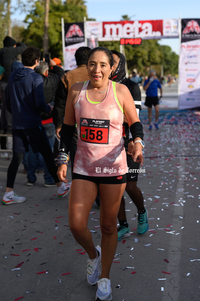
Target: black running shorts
[(151, 101), (133, 167), (101, 180)]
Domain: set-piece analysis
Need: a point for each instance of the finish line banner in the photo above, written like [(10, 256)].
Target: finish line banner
[(151, 29), (189, 64)]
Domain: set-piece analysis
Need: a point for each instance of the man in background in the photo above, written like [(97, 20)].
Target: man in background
[(80, 74), (50, 85), (25, 101), (8, 55), (135, 78), (151, 86)]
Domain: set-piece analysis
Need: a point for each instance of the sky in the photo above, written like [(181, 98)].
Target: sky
[(112, 10)]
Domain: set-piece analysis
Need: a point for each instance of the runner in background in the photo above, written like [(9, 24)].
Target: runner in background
[(100, 160), (151, 86), (119, 75)]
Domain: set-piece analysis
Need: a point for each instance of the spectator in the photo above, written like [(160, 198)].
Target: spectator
[(25, 100), (169, 80), (71, 77), (135, 78), (57, 61), (8, 55), (151, 86), (50, 84)]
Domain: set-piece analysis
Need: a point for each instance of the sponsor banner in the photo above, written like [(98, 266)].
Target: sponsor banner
[(94, 29), (189, 75), (190, 29), (74, 33), (74, 38), (70, 61), (150, 29), (171, 28), (188, 101)]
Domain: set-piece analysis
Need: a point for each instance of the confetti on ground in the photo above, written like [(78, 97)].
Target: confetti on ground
[(166, 273), (43, 272)]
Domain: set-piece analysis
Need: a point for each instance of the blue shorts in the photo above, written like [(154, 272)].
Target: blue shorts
[(36, 137)]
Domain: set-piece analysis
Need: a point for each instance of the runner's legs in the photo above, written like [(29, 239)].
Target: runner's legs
[(110, 195), (82, 196)]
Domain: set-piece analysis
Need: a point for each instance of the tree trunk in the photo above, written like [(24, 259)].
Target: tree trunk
[(46, 26), (9, 19)]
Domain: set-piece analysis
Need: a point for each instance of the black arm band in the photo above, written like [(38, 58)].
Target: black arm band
[(136, 130), (67, 133)]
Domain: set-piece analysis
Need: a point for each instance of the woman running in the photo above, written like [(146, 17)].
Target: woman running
[(98, 107)]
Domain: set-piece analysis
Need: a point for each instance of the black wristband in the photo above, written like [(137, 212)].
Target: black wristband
[(67, 133), (136, 130)]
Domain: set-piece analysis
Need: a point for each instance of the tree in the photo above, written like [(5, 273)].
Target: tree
[(5, 21), (71, 11), (46, 27), (169, 60)]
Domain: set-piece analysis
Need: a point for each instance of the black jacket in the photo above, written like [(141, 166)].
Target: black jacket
[(8, 55), (50, 85)]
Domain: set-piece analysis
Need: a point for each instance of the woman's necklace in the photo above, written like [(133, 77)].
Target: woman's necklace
[(101, 92)]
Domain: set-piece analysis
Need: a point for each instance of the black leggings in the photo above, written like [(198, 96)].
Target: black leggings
[(17, 159)]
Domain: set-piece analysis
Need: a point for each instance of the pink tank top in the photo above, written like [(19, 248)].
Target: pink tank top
[(100, 147)]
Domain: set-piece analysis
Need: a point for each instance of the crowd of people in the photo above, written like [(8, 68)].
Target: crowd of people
[(93, 111)]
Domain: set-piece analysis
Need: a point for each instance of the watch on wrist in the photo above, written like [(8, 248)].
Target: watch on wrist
[(141, 142)]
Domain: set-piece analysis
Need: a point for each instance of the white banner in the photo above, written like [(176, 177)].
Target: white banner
[(189, 75), (70, 61), (170, 28)]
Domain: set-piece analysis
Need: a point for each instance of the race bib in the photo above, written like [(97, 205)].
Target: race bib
[(94, 130)]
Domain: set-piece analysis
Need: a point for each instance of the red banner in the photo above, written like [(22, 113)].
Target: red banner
[(131, 29)]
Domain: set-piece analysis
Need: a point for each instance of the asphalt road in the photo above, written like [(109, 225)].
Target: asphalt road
[(41, 261)]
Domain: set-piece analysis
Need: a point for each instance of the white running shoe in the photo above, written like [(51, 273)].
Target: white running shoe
[(64, 189), (13, 199), (93, 268), (104, 291)]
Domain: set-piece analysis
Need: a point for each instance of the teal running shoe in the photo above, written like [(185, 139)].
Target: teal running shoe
[(123, 232), (143, 224)]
